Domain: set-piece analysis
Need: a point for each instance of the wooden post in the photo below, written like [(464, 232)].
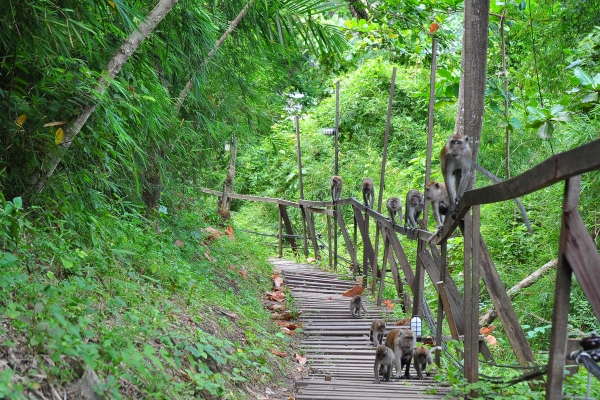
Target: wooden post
[(368, 254), (365, 256), (440, 311), (474, 316), (562, 294), (280, 233), (336, 170), (386, 252), (470, 372), (383, 162), (311, 229), (329, 239), (288, 228), (302, 212), (355, 269), (430, 123)]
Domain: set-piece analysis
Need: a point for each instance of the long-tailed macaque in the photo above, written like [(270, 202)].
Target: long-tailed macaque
[(377, 331), (402, 342), (368, 192), (384, 358), (356, 305), (456, 157), (394, 206), (413, 208), (422, 359), (336, 187), (437, 194)]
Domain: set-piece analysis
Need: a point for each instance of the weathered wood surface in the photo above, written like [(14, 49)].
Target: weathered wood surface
[(338, 346)]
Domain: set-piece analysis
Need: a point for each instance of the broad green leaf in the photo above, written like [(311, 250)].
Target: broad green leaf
[(557, 109), (564, 116), (38, 308), (67, 264), (583, 77), (444, 73), (18, 203), (596, 80), (545, 131), (516, 123), (590, 98)]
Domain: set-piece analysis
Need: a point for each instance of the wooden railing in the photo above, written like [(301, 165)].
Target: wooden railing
[(577, 253)]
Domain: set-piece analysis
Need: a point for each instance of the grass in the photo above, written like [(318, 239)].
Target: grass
[(157, 308)]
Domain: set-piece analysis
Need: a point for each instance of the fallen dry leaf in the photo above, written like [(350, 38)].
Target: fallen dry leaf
[(276, 296), (208, 257), (300, 369), (355, 291), (278, 353), (277, 280), (229, 314), (310, 260), (403, 322), (229, 232), (301, 360), (286, 324), (212, 233), (286, 315), (389, 304), (242, 272), (486, 330), (491, 340), (287, 331), (179, 243), (330, 298), (275, 307)]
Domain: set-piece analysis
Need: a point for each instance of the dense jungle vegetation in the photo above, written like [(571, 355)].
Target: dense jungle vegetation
[(115, 113)]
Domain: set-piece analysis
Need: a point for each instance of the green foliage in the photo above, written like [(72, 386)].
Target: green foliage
[(117, 295)]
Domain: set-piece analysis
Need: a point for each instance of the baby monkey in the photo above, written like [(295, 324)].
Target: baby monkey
[(394, 206), (422, 359), (377, 331), (356, 305), (384, 359)]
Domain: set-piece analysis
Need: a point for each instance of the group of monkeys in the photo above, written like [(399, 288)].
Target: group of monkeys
[(455, 159), (398, 350)]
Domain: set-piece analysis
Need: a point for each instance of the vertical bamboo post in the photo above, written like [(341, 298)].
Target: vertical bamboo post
[(280, 233), (336, 170), (382, 177), (440, 312), (470, 374), (329, 239), (299, 152), (562, 293), (430, 122), (475, 273), (356, 270)]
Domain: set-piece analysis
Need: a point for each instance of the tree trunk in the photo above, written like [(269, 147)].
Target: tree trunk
[(513, 292), (188, 87), (225, 205), (37, 180)]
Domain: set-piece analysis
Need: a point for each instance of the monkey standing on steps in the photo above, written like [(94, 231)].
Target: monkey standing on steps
[(356, 304), (414, 207), (384, 359), (402, 342), (368, 192), (456, 157), (422, 359), (377, 331)]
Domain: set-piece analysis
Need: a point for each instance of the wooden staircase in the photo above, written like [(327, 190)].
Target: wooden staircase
[(337, 346)]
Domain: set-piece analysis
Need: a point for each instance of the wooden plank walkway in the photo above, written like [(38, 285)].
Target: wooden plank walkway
[(337, 346)]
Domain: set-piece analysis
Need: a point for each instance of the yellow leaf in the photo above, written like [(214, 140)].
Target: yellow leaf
[(60, 135), (20, 120), (112, 3)]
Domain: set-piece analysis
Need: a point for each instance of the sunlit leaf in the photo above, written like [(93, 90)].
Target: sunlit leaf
[(59, 136), (545, 131), (590, 98), (21, 120), (583, 77)]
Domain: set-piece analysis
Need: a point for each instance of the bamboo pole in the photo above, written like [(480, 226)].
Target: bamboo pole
[(302, 212), (382, 177)]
